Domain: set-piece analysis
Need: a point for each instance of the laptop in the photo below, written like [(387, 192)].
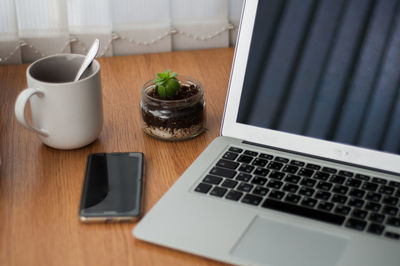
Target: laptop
[(306, 170)]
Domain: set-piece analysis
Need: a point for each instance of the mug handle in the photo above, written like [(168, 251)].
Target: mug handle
[(20, 106)]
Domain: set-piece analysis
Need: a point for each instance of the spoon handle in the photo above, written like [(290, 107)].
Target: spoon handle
[(88, 59)]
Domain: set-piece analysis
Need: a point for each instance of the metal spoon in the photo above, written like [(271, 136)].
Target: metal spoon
[(88, 59)]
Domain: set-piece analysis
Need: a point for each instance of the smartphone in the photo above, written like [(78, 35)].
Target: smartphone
[(113, 187)]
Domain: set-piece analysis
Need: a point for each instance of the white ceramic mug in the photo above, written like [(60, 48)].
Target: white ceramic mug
[(66, 114)]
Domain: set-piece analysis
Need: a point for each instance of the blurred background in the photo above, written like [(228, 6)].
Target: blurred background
[(30, 29)]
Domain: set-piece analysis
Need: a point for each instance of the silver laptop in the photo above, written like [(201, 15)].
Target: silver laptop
[(306, 170)]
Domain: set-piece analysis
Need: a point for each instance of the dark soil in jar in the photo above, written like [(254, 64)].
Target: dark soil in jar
[(177, 117)]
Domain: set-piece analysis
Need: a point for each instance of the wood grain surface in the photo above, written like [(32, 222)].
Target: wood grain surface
[(40, 187)]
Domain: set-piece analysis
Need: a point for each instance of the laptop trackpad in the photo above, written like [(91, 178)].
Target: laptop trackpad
[(269, 242)]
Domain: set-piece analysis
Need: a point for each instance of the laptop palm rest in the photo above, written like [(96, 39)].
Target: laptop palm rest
[(291, 244)]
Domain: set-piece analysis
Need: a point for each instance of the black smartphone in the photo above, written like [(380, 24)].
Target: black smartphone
[(113, 187)]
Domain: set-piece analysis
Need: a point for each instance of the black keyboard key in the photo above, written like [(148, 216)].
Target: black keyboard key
[(324, 186), (228, 183), (251, 153), (329, 170), (212, 179), (259, 180), (373, 206), (230, 155), (234, 149), (341, 199), (261, 191), (323, 195), (370, 186), (203, 188), (297, 163), (251, 199), (276, 175), (281, 160), (244, 159), (356, 224), (346, 173), (275, 165), (292, 198), (261, 171), (275, 194), (223, 172), (266, 156), (260, 162), (338, 179), (305, 172), (227, 164), (321, 176), (340, 189), (357, 193), (292, 188), (245, 187), (373, 196), (394, 184), (386, 190), (233, 195), (376, 229), (218, 191), (376, 217), (392, 235), (309, 202), (305, 191), (352, 182), (325, 206), (343, 210), (247, 168), (360, 214), (362, 177), (276, 184), (313, 166), (303, 211), (393, 221), (358, 203), (389, 200), (293, 179), (308, 182), (379, 180), (244, 177), (390, 210), (291, 169)]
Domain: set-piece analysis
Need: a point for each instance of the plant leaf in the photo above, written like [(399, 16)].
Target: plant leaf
[(162, 91), (172, 86), (158, 82)]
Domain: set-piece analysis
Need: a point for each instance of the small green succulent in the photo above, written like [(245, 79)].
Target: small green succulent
[(167, 85)]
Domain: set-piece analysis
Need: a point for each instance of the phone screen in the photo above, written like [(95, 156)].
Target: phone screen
[(112, 187)]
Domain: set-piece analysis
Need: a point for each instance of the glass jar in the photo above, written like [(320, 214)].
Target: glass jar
[(173, 119)]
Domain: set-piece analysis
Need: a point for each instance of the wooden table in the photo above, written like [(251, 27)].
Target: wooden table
[(40, 187)]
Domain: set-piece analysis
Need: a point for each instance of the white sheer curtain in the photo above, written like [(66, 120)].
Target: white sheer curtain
[(30, 29)]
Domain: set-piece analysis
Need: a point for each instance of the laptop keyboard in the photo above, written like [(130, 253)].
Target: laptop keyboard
[(356, 201)]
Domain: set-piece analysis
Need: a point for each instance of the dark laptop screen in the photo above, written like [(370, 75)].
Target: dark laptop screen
[(328, 69)]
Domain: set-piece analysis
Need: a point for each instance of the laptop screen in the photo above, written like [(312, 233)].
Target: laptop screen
[(326, 69)]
